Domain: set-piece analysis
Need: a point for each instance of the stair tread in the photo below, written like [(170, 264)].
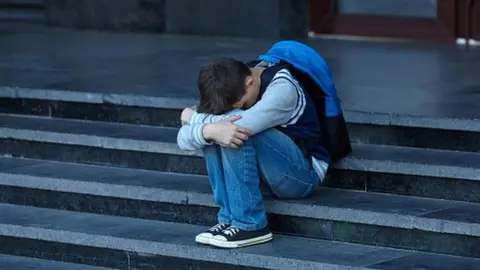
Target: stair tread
[(365, 157), (101, 129), (22, 15), (329, 204), (9, 262), (23, 2), (174, 239)]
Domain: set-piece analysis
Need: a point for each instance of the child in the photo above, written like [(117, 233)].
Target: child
[(251, 132)]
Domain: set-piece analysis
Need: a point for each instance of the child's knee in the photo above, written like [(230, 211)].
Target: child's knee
[(210, 150), (238, 150), (268, 134)]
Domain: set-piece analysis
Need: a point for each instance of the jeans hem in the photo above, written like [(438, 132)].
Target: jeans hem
[(224, 221), (249, 227)]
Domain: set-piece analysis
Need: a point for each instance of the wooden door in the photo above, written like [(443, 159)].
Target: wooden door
[(444, 23), (468, 25)]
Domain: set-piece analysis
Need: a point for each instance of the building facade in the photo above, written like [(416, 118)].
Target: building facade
[(437, 20)]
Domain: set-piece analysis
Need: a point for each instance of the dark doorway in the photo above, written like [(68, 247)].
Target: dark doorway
[(433, 20)]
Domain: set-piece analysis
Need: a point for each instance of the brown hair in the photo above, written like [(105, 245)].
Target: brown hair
[(221, 83)]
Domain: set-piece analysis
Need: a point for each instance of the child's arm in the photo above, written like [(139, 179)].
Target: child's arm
[(283, 102), (224, 133), (190, 137), (205, 118)]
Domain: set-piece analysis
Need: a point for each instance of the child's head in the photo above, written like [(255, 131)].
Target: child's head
[(224, 85)]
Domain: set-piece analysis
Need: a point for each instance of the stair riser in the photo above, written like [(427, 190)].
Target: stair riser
[(360, 133), (404, 184), (28, 11), (204, 215), (19, 4), (112, 258), (423, 186)]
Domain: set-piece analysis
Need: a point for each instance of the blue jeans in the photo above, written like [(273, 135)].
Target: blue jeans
[(235, 176)]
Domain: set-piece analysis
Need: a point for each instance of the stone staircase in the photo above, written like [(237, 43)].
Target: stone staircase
[(22, 10), (97, 180)]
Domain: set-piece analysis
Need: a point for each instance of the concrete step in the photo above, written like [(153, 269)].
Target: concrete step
[(400, 170), (332, 214), (22, 10), (142, 244), (365, 127), (30, 3), (35, 16), (9, 262)]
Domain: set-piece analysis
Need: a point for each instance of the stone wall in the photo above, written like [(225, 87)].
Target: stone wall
[(246, 18), (252, 18)]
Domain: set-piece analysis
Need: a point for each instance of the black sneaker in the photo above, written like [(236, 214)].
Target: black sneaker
[(204, 237), (235, 238)]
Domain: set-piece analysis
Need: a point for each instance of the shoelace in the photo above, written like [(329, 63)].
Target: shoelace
[(217, 228), (231, 231)]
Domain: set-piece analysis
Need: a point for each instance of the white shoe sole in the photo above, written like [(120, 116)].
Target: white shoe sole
[(238, 244), (204, 240)]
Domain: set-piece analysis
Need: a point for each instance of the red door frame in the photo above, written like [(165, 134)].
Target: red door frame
[(469, 26), (450, 23)]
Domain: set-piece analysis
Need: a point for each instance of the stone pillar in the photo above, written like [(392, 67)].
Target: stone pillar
[(119, 15), (244, 18)]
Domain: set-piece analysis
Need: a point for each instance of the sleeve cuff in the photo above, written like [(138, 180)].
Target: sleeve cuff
[(193, 118), (198, 135)]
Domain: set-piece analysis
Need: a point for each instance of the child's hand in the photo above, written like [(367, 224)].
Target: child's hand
[(187, 114), (225, 133)]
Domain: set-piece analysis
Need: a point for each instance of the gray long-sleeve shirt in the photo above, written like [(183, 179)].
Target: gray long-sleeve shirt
[(282, 103)]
